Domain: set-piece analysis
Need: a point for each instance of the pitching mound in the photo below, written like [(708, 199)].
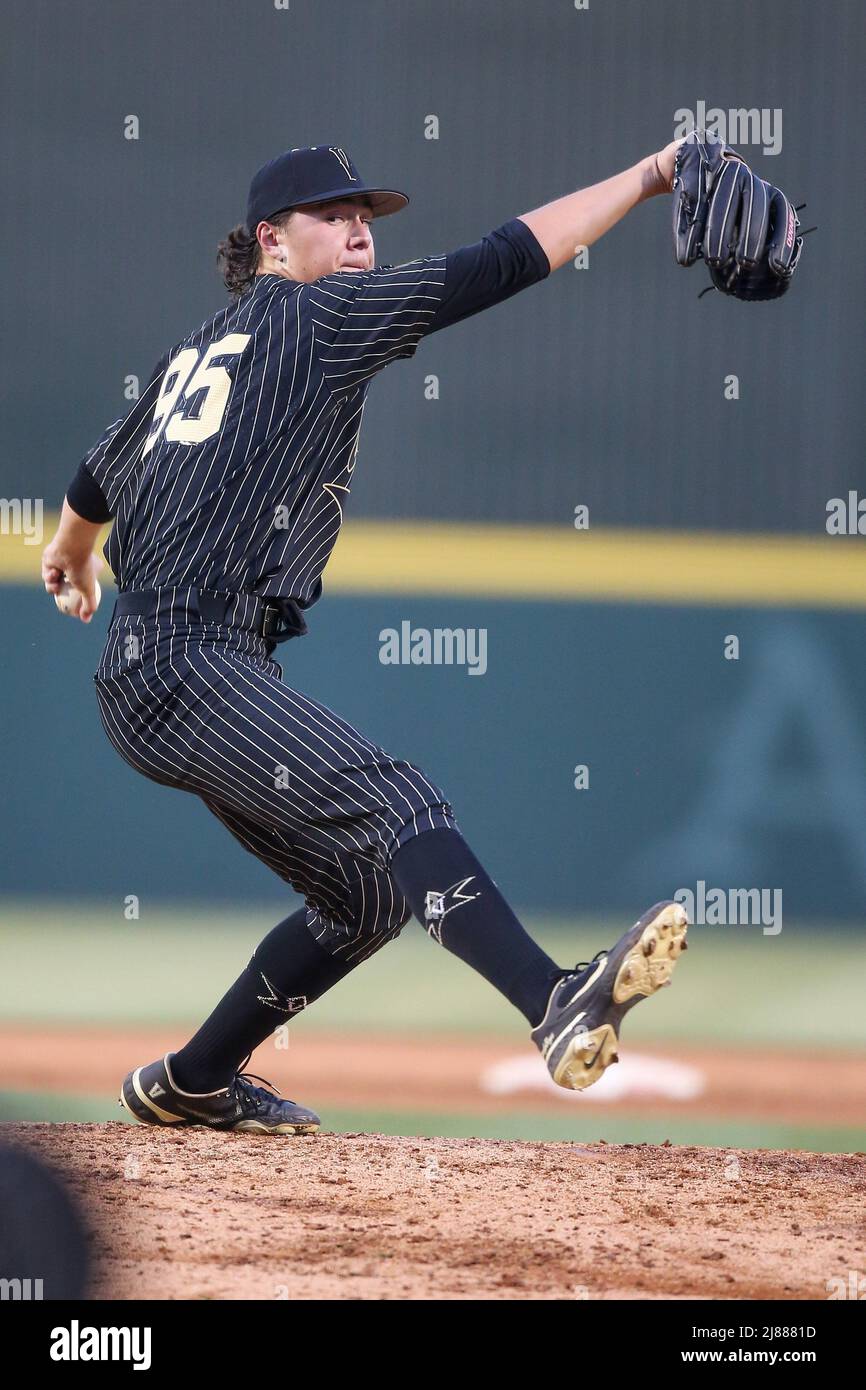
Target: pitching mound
[(194, 1214)]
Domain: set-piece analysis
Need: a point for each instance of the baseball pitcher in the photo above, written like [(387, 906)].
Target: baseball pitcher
[(227, 483)]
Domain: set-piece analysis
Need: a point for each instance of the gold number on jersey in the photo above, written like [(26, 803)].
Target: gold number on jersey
[(186, 375)]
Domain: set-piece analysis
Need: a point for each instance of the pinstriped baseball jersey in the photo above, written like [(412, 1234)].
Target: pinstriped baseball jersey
[(232, 470), (231, 474)]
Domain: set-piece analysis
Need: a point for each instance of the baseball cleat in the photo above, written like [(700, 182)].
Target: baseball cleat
[(152, 1097), (579, 1034)]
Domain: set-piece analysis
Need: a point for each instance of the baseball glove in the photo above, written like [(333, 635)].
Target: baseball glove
[(744, 228)]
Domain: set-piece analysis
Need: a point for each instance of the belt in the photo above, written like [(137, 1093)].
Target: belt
[(274, 619)]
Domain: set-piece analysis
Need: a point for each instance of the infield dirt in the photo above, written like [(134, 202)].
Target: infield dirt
[(198, 1215)]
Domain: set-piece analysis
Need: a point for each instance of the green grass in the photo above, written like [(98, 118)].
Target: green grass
[(84, 963), (516, 1124)]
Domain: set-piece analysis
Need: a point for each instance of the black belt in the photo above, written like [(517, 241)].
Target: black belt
[(274, 619)]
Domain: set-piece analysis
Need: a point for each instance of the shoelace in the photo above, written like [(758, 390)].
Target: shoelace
[(245, 1089), (584, 965)]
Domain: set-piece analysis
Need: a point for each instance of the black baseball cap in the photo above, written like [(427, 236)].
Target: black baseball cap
[(318, 174)]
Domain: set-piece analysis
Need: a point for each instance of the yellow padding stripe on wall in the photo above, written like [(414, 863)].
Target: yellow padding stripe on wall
[(544, 562)]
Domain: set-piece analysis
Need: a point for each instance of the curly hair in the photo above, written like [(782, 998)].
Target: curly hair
[(240, 256)]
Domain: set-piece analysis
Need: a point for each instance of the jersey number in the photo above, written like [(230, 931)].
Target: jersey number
[(185, 375)]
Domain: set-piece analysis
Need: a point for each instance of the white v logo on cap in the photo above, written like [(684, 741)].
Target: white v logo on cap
[(343, 160)]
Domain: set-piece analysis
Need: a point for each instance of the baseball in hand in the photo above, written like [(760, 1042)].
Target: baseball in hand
[(69, 599)]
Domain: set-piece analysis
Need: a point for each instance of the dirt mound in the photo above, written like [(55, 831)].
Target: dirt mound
[(193, 1214)]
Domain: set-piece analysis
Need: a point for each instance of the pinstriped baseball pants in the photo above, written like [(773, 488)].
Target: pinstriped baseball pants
[(202, 707)]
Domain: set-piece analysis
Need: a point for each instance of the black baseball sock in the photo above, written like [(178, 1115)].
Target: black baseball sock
[(457, 901), (289, 969)]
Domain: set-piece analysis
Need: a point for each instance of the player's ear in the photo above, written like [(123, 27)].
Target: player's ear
[(266, 236)]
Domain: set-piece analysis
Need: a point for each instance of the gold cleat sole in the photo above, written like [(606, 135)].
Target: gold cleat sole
[(586, 1058), (254, 1127), (647, 967), (650, 963)]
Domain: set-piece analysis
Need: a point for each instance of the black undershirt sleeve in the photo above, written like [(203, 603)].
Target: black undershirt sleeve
[(505, 261), (86, 497)]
